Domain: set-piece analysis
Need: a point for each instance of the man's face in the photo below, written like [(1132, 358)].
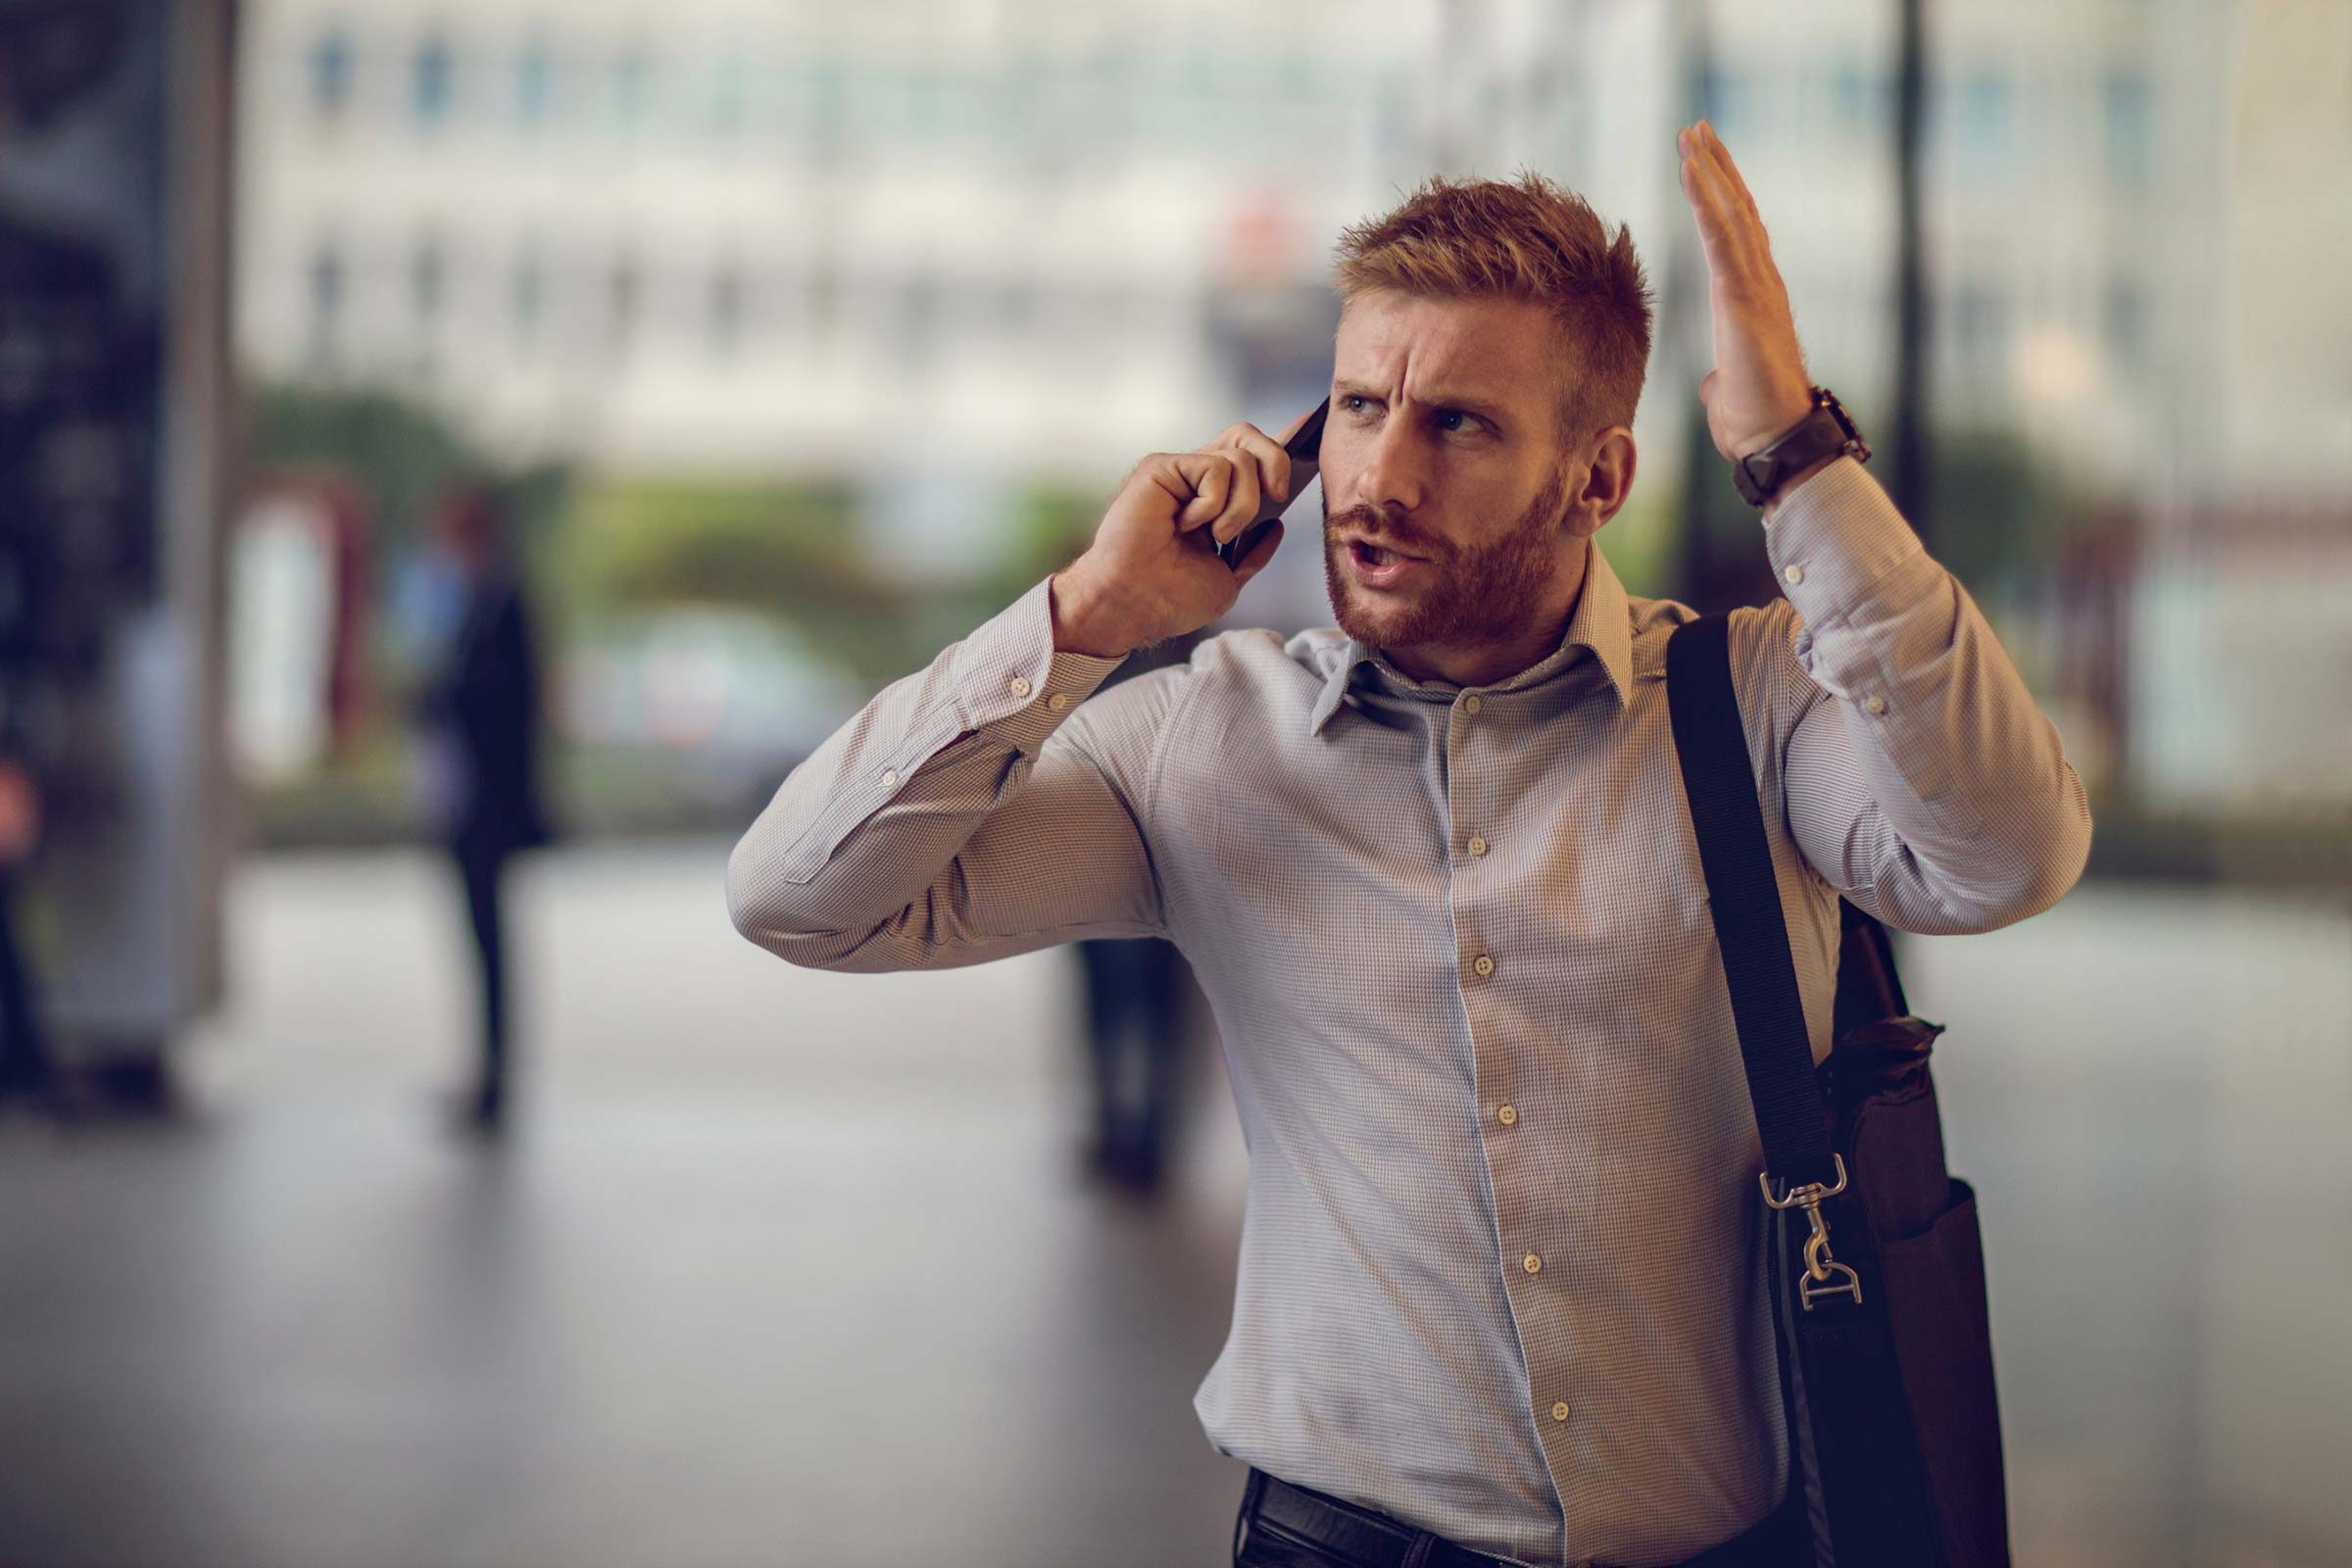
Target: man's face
[(1443, 444)]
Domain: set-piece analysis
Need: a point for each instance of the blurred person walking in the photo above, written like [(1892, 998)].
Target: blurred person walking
[(478, 718), (1502, 1294)]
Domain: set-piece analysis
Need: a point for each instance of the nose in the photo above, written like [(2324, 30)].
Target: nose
[(1394, 472)]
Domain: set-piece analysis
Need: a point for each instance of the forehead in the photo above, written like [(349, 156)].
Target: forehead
[(1504, 349)]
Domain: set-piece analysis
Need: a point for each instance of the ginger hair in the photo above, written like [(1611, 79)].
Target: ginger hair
[(1525, 239)]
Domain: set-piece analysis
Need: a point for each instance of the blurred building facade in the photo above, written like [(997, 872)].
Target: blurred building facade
[(937, 246)]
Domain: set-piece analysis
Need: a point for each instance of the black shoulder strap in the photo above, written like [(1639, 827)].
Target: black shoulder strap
[(1744, 899)]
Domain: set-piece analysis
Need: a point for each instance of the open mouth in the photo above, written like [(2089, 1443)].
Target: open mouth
[(1378, 566)]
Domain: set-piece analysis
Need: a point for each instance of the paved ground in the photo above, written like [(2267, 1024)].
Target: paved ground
[(790, 1268)]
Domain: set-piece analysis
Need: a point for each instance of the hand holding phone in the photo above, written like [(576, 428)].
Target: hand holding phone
[(1143, 578)]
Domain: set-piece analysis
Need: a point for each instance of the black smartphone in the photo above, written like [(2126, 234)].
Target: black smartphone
[(1305, 443)]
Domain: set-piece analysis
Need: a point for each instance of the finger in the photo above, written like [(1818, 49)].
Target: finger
[(1203, 482), (1224, 492), (1256, 562), (1273, 463), (1722, 226), (1745, 220), (1730, 173), (1704, 183), (1242, 498)]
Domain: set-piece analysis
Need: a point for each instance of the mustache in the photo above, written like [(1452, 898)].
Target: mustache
[(1385, 525)]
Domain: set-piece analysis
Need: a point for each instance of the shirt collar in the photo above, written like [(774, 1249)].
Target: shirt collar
[(1600, 621)]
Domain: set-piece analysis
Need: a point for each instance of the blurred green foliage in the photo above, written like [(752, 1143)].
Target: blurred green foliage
[(398, 454), (788, 549)]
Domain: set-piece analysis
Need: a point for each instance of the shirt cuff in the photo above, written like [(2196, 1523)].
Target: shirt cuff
[(1842, 552), (1010, 681)]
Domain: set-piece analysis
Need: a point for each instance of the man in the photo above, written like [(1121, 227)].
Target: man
[(480, 717), (1500, 1288)]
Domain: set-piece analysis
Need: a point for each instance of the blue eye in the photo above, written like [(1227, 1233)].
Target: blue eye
[(1454, 415)]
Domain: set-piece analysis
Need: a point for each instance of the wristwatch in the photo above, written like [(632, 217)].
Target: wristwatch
[(1824, 432)]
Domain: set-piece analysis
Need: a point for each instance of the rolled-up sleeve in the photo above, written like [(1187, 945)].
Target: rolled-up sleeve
[(972, 810), (1919, 776)]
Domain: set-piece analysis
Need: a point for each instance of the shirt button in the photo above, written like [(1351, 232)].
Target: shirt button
[(1508, 1115), (1531, 1262), (1483, 965), (1794, 575), (1470, 703), (890, 776), (1559, 1411), (1478, 846), (1059, 701), (1020, 685), (1874, 704)]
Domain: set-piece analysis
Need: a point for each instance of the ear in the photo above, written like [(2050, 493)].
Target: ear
[(1607, 482)]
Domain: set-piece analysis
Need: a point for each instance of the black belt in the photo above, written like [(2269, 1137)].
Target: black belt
[(1276, 1514)]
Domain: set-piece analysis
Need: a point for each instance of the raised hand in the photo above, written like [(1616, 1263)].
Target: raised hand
[(1759, 387)]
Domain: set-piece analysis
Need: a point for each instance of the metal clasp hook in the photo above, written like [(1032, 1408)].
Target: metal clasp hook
[(1824, 1275)]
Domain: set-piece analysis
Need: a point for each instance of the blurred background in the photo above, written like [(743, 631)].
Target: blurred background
[(785, 343)]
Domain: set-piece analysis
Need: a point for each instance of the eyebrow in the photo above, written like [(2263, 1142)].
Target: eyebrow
[(1491, 413)]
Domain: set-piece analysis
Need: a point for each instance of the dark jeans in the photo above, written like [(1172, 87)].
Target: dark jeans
[(482, 872), (1296, 1526)]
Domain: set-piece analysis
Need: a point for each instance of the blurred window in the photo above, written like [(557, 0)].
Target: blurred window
[(331, 69), (1727, 102), (431, 75), (2129, 128), (531, 293), (730, 93), (327, 283), (1981, 332), (1983, 123), (1016, 305), (2126, 323), (534, 80), (1854, 93), (726, 309), (827, 107), (632, 86), (428, 279), (915, 322), (824, 300), (625, 291)]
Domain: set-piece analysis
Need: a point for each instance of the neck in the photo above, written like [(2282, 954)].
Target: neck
[(1485, 664)]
